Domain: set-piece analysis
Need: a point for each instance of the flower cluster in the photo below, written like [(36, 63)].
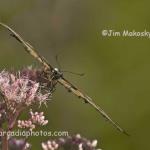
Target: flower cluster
[(20, 91), (75, 143), (17, 93), (36, 118)]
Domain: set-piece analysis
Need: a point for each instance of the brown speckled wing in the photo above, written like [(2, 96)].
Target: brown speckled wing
[(71, 88)]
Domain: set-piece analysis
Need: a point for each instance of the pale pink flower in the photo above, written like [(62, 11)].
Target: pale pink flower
[(21, 90), (36, 118)]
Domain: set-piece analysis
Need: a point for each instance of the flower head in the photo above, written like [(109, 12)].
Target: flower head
[(20, 90), (36, 118)]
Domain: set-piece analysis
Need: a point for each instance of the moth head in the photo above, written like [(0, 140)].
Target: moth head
[(57, 73)]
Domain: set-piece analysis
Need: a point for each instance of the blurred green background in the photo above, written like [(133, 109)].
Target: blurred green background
[(117, 69)]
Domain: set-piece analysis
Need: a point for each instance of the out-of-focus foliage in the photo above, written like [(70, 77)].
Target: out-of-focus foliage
[(117, 69)]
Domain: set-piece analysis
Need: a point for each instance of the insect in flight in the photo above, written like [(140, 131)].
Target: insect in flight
[(58, 77)]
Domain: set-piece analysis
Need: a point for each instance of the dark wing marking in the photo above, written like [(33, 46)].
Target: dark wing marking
[(88, 100), (29, 48)]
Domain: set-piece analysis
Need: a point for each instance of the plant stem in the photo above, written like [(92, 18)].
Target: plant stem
[(5, 142)]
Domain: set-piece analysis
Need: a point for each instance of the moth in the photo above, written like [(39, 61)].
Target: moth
[(57, 76)]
